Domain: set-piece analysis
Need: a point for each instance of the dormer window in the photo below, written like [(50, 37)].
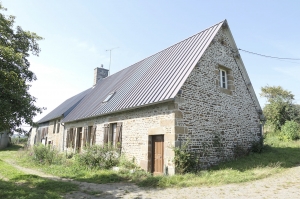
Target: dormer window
[(109, 97), (223, 78)]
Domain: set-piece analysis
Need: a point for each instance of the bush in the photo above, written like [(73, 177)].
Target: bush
[(257, 146), (184, 160), (289, 131), (99, 157), (46, 155), (124, 162)]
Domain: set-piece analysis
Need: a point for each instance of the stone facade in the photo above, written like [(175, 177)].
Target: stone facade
[(54, 138), (216, 120), (138, 127)]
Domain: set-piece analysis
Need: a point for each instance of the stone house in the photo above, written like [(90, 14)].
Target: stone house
[(196, 91), (49, 129)]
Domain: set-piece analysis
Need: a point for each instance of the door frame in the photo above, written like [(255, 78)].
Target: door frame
[(153, 154)]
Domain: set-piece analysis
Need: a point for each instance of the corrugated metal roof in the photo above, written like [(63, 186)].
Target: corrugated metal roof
[(65, 108), (155, 79)]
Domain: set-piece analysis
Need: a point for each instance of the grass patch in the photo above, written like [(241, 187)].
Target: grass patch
[(16, 184), (276, 156)]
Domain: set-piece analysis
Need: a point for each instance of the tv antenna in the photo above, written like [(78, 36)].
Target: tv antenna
[(110, 58)]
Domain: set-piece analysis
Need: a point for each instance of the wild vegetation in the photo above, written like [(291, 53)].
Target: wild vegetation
[(276, 156), (17, 184), (17, 105), (280, 107)]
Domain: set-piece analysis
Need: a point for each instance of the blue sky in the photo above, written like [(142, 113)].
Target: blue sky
[(77, 33)]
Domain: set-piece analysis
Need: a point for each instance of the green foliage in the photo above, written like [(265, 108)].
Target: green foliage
[(21, 185), (125, 163), (17, 105), (239, 151), (184, 160), (99, 157), (46, 155), (280, 107), (257, 146), (19, 140), (290, 131)]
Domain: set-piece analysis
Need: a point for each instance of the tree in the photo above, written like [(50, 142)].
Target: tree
[(16, 104), (280, 107)]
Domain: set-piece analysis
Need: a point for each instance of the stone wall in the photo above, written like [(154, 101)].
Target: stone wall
[(138, 127), (216, 121), (55, 138)]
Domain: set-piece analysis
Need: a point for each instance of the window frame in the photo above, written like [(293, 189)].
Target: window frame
[(225, 78), (108, 97)]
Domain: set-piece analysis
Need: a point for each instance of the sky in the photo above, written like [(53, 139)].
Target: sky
[(77, 35)]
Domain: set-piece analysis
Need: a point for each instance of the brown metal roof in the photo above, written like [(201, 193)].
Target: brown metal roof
[(155, 79)]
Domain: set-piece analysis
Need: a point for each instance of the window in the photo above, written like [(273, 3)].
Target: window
[(109, 97), (113, 134), (54, 126), (223, 78), (58, 126)]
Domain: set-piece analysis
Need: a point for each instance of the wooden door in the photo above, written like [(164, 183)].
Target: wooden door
[(158, 154)]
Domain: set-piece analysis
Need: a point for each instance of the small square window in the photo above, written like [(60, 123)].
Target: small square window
[(223, 78)]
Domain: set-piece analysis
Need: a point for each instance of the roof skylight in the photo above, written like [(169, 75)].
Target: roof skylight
[(109, 97)]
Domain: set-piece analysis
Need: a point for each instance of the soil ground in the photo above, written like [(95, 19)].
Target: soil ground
[(283, 185)]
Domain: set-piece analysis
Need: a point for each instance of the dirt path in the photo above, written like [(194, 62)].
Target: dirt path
[(283, 185)]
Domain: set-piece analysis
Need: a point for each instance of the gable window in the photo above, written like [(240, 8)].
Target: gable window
[(223, 78)]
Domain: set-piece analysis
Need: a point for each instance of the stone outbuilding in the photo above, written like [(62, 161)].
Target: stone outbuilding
[(196, 91)]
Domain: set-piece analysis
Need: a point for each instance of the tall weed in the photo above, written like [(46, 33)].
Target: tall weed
[(99, 157)]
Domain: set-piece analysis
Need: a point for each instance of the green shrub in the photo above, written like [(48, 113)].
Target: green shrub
[(46, 155), (184, 160), (257, 146), (99, 157), (289, 131), (124, 162)]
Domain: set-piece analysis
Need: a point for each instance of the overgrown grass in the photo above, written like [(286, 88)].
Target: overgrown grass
[(276, 157), (16, 184)]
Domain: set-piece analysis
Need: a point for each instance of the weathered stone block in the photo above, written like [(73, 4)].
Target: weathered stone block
[(167, 123), (181, 130), (156, 131), (178, 114)]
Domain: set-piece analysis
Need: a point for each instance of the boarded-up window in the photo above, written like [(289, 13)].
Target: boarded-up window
[(118, 140), (58, 126), (54, 126), (113, 134), (106, 132), (71, 138), (93, 135), (85, 137)]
